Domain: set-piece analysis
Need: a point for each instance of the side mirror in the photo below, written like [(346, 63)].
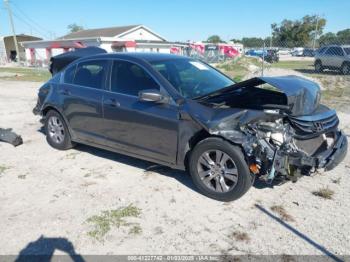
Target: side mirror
[(152, 95)]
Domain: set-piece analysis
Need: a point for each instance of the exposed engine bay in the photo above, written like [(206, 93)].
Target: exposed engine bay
[(284, 133), (274, 150)]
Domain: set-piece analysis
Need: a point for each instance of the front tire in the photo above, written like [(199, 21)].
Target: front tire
[(219, 169), (57, 133), (318, 66)]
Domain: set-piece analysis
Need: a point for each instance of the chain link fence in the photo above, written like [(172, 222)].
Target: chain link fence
[(328, 64)]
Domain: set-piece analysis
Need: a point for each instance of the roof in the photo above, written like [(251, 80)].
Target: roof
[(22, 35), (100, 32), (149, 57)]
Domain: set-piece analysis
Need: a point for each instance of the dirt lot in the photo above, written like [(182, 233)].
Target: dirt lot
[(53, 200)]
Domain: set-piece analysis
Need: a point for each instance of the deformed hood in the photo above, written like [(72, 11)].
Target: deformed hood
[(303, 96)]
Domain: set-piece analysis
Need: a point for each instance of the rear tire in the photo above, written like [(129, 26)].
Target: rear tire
[(226, 179), (318, 66), (57, 133), (345, 69)]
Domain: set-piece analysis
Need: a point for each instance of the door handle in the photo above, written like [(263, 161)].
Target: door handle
[(111, 102)]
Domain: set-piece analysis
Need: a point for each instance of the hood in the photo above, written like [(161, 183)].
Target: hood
[(302, 95)]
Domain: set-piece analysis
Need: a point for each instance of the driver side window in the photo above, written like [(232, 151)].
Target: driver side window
[(129, 79)]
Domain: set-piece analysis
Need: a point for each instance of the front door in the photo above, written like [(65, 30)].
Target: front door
[(143, 128)]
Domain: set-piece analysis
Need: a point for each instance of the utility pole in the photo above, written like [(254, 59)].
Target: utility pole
[(13, 29), (315, 36), (271, 39), (263, 60)]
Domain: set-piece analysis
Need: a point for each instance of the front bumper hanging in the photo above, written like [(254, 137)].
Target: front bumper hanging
[(327, 159)]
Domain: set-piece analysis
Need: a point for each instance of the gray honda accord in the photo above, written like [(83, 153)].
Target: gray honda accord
[(183, 113)]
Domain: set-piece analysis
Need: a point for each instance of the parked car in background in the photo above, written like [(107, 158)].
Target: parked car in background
[(284, 51), (183, 113), (333, 57), (297, 51), (256, 52), (271, 56), (309, 52)]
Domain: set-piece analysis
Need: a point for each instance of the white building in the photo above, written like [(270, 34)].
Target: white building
[(8, 51), (133, 38)]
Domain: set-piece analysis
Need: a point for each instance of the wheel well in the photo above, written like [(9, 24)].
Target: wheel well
[(318, 61), (198, 137), (47, 109), (346, 63)]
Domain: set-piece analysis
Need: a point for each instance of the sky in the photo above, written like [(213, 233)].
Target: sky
[(176, 20)]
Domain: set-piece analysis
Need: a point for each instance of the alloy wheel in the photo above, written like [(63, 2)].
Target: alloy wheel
[(56, 129), (217, 170)]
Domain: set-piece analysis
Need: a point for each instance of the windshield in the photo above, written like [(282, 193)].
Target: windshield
[(192, 78), (347, 50)]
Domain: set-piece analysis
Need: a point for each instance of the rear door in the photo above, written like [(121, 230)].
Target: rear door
[(338, 57), (333, 57), (327, 57), (143, 128), (82, 95)]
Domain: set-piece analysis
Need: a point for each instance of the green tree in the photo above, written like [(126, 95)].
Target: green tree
[(292, 33), (340, 38), (253, 42), (75, 28), (236, 40), (328, 38), (344, 36), (214, 39)]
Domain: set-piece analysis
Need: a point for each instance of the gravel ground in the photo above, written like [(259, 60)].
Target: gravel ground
[(47, 196)]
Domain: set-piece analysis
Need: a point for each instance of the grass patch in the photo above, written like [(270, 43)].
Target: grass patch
[(135, 230), (238, 68), (332, 93), (302, 65), (26, 74), (325, 193), (104, 222), (3, 168), (336, 180), (72, 155), (282, 213), (241, 236)]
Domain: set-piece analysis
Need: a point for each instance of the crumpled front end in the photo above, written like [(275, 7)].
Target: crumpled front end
[(278, 145)]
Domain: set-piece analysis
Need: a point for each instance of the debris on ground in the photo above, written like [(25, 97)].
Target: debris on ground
[(6, 135)]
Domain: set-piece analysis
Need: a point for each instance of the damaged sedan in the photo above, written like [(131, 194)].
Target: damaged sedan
[(185, 114)]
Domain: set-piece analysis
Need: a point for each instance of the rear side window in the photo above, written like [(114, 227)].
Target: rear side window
[(347, 50), (321, 50), (330, 51), (129, 78), (69, 75), (336, 51), (91, 74)]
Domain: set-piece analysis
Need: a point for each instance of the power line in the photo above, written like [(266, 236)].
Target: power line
[(29, 19), (31, 26)]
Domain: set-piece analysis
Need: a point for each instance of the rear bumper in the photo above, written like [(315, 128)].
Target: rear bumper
[(328, 159), (37, 109)]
